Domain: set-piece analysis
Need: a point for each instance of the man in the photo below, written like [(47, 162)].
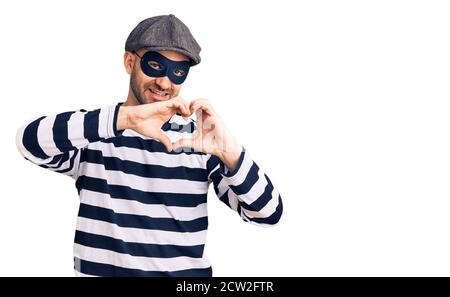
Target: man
[(142, 168)]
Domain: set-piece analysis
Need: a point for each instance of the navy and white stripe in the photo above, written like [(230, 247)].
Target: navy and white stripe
[(142, 210)]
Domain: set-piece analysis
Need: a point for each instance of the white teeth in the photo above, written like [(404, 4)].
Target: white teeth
[(158, 93)]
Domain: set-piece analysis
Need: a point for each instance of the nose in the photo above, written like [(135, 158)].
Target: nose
[(163, 82)]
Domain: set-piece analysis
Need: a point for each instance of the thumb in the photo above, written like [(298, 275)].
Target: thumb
[(183, 142), (165, 141)]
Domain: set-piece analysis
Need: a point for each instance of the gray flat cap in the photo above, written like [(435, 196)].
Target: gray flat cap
[(164, 33)]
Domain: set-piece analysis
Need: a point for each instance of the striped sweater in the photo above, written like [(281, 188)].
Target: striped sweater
[(142, 210)]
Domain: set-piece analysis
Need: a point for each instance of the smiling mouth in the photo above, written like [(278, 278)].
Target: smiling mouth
[(159, 95)]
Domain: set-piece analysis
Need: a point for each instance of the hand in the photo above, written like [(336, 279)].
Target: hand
[(147, 119), (211, 136)]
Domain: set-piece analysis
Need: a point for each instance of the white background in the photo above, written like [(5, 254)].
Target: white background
[(344, 104)]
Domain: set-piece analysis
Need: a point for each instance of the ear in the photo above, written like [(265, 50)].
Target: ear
[(128, 61)]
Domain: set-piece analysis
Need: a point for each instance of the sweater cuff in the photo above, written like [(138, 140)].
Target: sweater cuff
[(115, 111), (105, 121), (237, 176)]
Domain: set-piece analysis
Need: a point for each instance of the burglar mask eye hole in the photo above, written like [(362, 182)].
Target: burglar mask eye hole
[(179, 72), (155, 65)]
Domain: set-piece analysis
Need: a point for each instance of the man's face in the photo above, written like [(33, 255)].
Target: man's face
[(148, 89)]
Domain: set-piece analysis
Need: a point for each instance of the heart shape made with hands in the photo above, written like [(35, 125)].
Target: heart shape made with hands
[(206, 135), (210, 136)]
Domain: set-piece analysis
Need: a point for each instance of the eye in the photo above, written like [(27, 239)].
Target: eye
[(156, 65), (179, 72)]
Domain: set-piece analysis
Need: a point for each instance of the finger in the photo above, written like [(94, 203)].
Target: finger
[(165, 141), (206, 101), (202, 101), (199, 115), (208, 124), (183, 107), (201, 105), (176, 107), (184, 110)]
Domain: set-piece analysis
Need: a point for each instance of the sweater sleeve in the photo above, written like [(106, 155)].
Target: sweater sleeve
[(54, 142), (246, 189)]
